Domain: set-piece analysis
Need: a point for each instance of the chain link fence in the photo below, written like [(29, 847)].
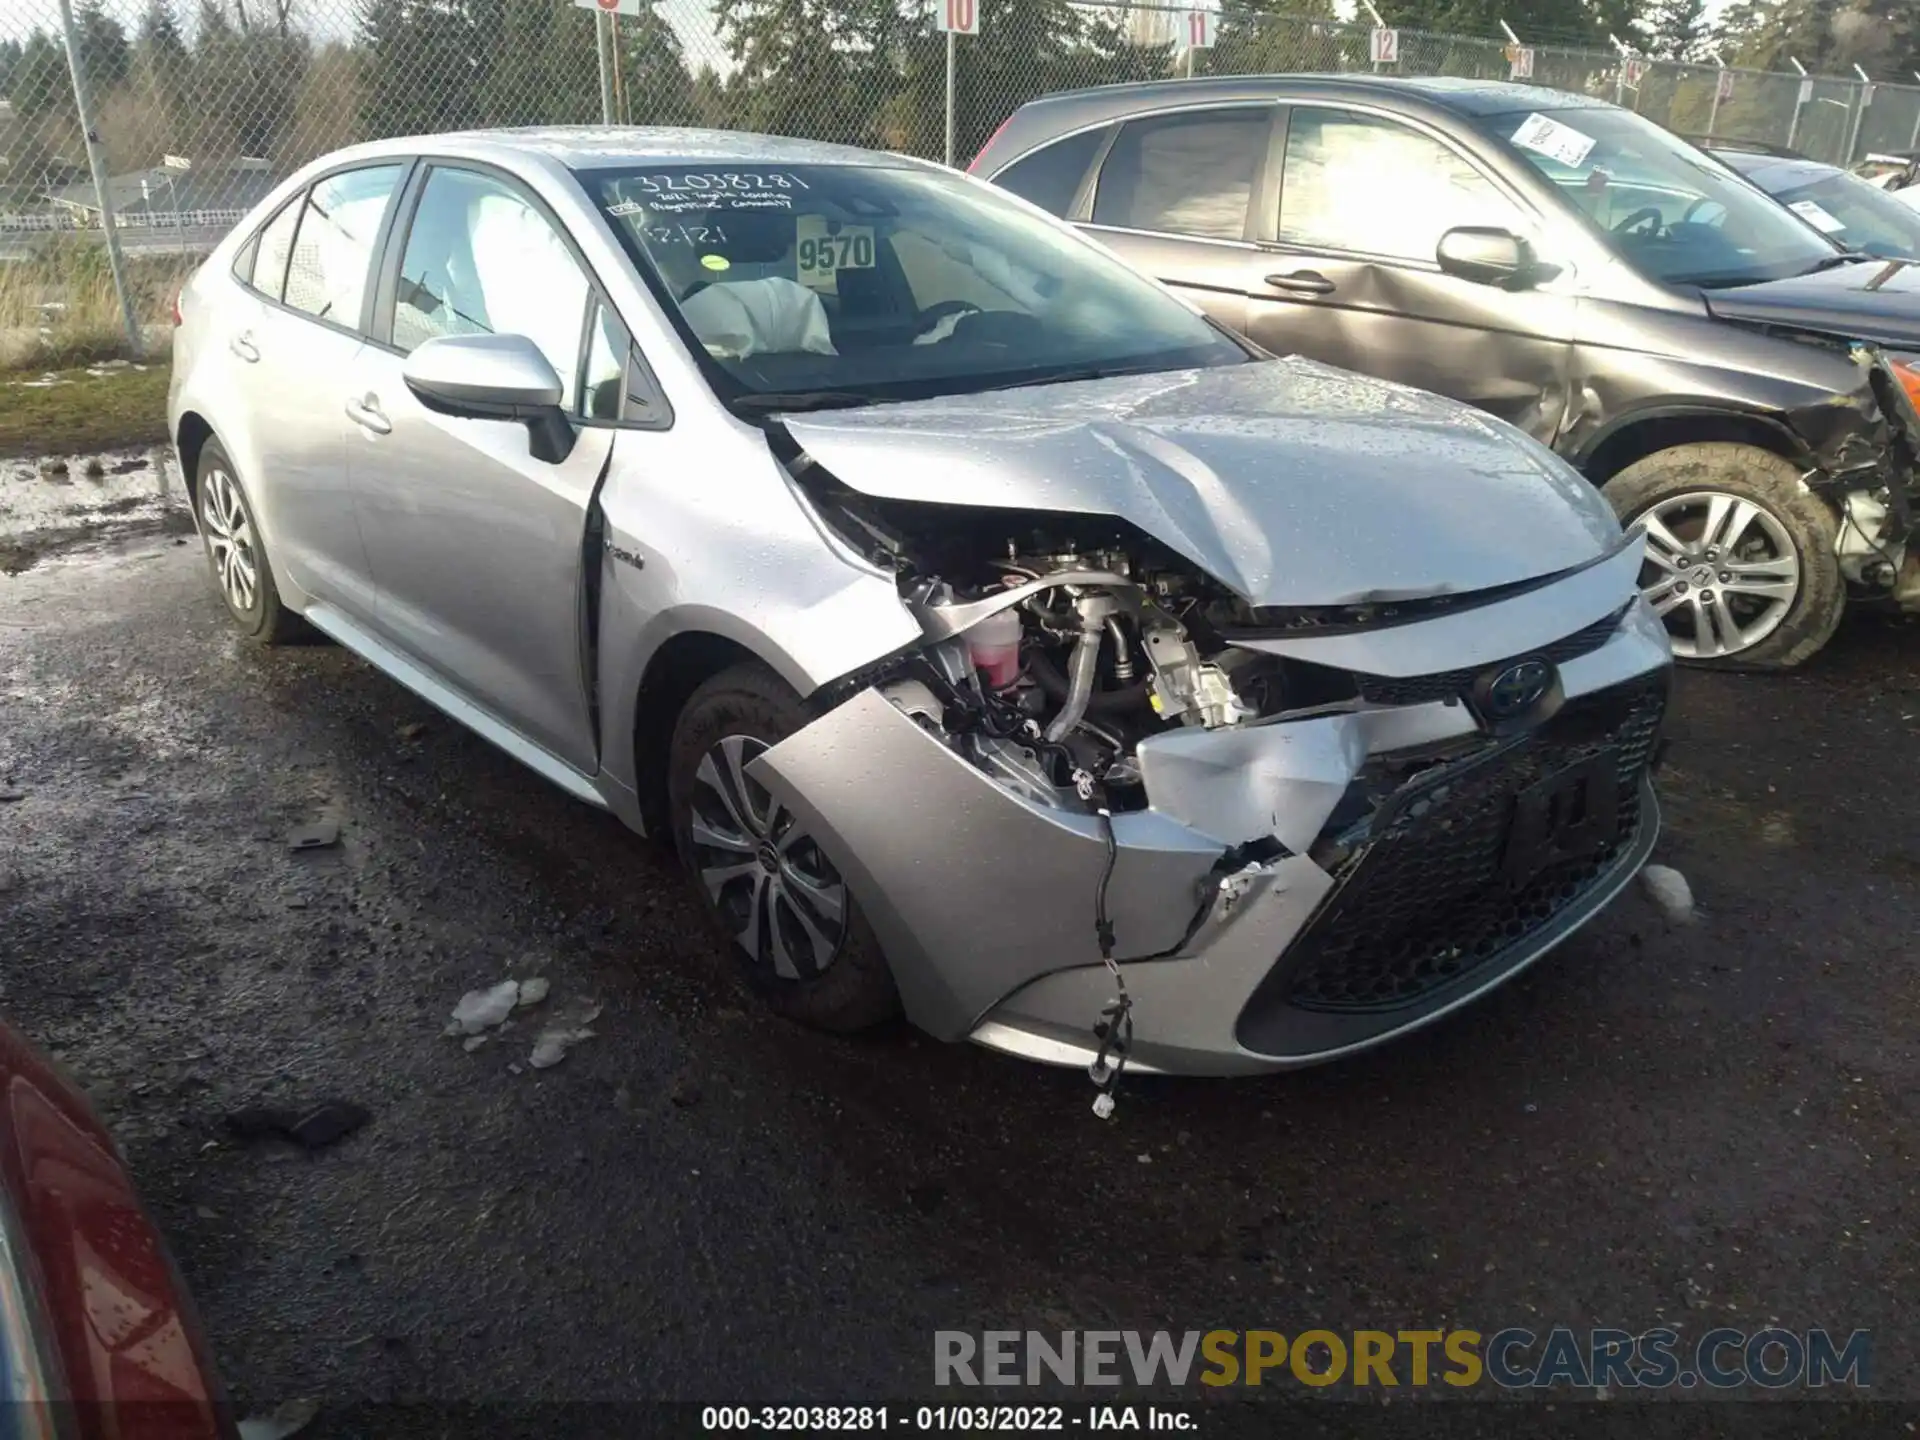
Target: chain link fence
[(199, 107)]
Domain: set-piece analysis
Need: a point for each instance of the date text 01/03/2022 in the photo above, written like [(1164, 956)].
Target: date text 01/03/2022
[(949, 1418)]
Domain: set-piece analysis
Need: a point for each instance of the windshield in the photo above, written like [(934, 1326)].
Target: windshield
[(854, 282), (1854, 212), (1667, 209)]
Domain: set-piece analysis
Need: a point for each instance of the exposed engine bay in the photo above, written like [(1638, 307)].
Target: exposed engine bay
[(1056, 643)]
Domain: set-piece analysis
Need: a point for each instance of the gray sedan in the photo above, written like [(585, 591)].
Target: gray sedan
[(994, 637)]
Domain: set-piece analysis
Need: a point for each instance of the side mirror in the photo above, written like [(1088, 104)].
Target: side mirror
[(1488, 255), (493, 377)]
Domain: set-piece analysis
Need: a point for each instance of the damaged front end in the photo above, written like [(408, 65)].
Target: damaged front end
[(1294, 832)]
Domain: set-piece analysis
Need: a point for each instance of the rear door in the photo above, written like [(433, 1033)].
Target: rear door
[(297, 339), (478, 547), (1177, 195), (1352, 279)]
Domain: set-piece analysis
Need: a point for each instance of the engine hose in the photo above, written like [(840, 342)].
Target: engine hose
[(1048, 677), (1085, 661)]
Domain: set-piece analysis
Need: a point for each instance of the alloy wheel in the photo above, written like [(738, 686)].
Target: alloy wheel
[(776, 893), (1719, 569), (230, 540)]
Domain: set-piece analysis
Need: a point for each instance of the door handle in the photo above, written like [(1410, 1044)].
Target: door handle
[(1302, 282), (365, 411), (243, 346)]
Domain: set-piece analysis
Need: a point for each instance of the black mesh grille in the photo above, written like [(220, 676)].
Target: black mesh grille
[(1425, 899), (1421, 689)]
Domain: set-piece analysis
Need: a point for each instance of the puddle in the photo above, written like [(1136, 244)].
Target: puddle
[(58, 502)]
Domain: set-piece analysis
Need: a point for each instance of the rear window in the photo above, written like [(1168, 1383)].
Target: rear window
[(1051, 175), (273, 247)]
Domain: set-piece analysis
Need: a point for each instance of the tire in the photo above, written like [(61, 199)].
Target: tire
[(237, 553), (1768, 602), (781, 912)]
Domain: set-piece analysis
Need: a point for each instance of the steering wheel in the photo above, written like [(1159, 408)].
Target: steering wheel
[(1648, 212), (940, 310), (1688, 214)]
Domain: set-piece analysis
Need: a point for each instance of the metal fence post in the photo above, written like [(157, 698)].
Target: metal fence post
[(601, 21), (1913, 141), (1863, 97), (1799, 100), (949, 97), (97, 163)]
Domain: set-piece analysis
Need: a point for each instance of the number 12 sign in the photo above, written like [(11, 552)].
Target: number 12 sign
[(957, 17)]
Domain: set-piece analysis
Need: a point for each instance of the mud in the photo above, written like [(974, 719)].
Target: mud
[(62, 503)]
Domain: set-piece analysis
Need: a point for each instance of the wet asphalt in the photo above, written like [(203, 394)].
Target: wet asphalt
[(1701, 1126)]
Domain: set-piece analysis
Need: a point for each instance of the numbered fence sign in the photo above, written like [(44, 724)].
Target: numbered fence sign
[(1198, 33), (1806, 92), (1385, 45), (612, 7), (1723, 87), (957, 17), (1520, 62), (1636, 72)]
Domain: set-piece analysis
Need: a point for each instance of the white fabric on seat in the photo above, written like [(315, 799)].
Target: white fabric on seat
[(739, 318)]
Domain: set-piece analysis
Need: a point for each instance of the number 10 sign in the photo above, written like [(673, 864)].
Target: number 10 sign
[(957, 17)]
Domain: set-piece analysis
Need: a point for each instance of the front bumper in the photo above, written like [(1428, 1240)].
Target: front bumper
[(984, 902)]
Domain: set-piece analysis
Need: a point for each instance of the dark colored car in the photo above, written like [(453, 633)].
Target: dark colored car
[(1734, 379), (1855, 212), (97, 1338)]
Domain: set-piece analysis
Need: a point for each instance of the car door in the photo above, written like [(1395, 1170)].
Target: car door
[(1175, 195), (476, 546), (1352, 276), (297, 336)]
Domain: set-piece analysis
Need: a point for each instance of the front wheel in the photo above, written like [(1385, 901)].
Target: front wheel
[(774, 900), (1740, 559)]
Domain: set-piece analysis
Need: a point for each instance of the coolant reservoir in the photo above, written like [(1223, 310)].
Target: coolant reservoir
[(994, 647)]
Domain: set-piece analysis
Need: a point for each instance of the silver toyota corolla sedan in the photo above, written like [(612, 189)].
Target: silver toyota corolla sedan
[(996, 638)]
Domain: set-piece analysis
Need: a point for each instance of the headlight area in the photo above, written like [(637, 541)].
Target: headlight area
[(1126, 823)]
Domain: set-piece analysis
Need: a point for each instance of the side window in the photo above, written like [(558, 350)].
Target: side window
[(481, 260), (327, 276), (606, 370), (273, 247), (1190, 174), (1355, 182), (1051, 175)]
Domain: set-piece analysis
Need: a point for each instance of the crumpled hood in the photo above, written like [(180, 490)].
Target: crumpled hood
[(1290, 481), (1877, 300)]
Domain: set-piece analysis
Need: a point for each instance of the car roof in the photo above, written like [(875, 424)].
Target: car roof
[(597, 147), (1465, 97)]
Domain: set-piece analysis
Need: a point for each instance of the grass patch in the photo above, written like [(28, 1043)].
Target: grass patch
[(59, 307), (119, 409)]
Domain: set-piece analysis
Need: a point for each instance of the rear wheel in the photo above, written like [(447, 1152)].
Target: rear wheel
[(237, 553), (1740, 557), (775, 901)]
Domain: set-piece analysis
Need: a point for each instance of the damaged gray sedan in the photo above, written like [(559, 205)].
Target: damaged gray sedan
[(996, 638)]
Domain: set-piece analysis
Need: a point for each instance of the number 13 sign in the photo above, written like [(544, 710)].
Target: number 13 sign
[(957, 17)]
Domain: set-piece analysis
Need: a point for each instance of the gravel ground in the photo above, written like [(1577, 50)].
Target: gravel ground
[(1702, 1126)]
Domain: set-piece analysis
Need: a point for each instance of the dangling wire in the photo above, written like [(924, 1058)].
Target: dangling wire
[(1115, 1026)]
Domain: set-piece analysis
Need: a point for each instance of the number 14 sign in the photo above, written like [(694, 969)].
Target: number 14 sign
[(957, 17)]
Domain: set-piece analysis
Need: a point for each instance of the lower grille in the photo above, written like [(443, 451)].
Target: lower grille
[(1446, 684), (1425, 899)]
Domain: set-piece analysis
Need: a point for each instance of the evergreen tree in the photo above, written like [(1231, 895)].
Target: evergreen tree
[(655, 83), (1675, 29)]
